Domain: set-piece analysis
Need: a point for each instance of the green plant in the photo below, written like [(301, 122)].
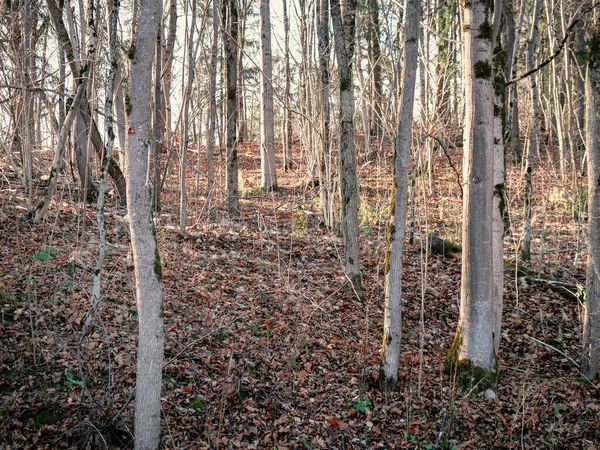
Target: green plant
[(300, 222), (72, 381), (197, 403), (223, 335), (363, 403), (45, 253)]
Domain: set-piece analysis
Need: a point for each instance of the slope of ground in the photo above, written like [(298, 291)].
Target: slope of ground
[(264, 346)]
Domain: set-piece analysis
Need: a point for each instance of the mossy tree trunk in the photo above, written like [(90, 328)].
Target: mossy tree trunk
[(475, 337), (390, 349), (148, 272)]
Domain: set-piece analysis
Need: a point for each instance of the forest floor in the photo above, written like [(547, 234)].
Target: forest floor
[(265, 348)]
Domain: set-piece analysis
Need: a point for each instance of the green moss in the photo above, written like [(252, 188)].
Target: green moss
[(486, 30), (131, 50), (467, 375), (499, 191), (482, 69), (451, 247)]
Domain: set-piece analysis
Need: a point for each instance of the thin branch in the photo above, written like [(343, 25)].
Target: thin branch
[(551, 58)]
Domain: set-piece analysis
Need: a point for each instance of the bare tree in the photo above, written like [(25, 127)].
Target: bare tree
[(474, 342), (392, 325), (326, 191), (343, 15), (212, 92), (268, 173), (148, 269), (287, 113), (534, 137), (230, 42), (590, 363)]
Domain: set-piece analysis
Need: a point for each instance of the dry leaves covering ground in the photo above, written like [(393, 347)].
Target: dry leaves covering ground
[(264, 346)]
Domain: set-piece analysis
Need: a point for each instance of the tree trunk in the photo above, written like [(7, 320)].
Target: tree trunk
[(191, 62), (212, 112), (534, 138), (230, 39), (375, 60), (474, 341), (287, 113), (343, 28), (326, 191), (148, 270), (167, 68), (590, 363), (499, 180), (268, 174), (390, 350)]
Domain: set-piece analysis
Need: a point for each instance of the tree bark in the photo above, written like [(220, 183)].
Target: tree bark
[(590, 363), (326, 191), (534, 138), (474, 342), (148, 269), (230, 40), (392, 324), (212, 112), (268, 173), (287, 113), (344, 19)]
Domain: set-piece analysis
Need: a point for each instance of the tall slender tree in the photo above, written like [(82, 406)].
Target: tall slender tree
[(474, 342), (212, 92), (268, 178), (146, 258), (392, 324), (230, 41), (534, 136), (343, 16), (326, 191), (287, 113), (590, 363)]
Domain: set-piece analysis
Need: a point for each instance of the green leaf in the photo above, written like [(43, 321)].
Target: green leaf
[(557, 409), (45, 253)]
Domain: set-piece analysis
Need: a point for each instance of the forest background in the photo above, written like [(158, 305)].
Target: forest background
[(318, 224)]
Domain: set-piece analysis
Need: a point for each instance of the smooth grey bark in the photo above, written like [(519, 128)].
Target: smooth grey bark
[(146, 258), (343, 15), (475, 334), (191, 63), (212, 112), (392, 316), (377, 116), (167, 66), (287, 113), (590, 363), (268, 175), (158, 122), (230, 43), (512, 111), (534, 136), (499, 180), (326, 195)]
